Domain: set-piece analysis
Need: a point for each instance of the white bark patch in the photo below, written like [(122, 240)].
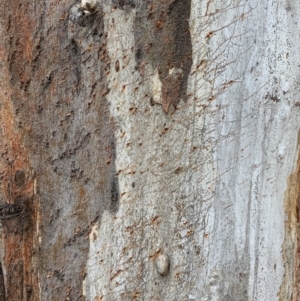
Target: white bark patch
[(206, 183), (156, 87), (88, 5), (162, 264), (96, 282)]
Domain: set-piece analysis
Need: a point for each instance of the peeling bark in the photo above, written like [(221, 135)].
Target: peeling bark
[(149, 150)]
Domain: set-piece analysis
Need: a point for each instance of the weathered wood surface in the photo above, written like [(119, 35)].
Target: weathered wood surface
[(154, 148)]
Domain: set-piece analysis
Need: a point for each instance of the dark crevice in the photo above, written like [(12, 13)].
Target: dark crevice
[(2, 285)]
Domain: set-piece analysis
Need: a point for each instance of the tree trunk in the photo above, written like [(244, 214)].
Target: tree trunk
[(149, 150)]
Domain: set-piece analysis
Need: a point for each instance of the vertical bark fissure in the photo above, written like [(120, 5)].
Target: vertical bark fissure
[(2, 285)]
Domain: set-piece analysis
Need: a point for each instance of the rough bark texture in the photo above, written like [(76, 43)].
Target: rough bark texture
[(153, 148)]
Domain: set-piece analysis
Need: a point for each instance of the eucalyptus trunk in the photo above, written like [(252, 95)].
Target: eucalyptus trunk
[(149, 150)]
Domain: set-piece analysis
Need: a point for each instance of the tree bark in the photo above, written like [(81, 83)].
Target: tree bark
[(149, 150)]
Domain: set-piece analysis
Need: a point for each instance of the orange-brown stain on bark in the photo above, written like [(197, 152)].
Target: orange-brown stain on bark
[(290, 287), (19, 237), (19, 232)]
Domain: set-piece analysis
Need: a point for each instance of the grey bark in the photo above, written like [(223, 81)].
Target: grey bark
[(153, 148)]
